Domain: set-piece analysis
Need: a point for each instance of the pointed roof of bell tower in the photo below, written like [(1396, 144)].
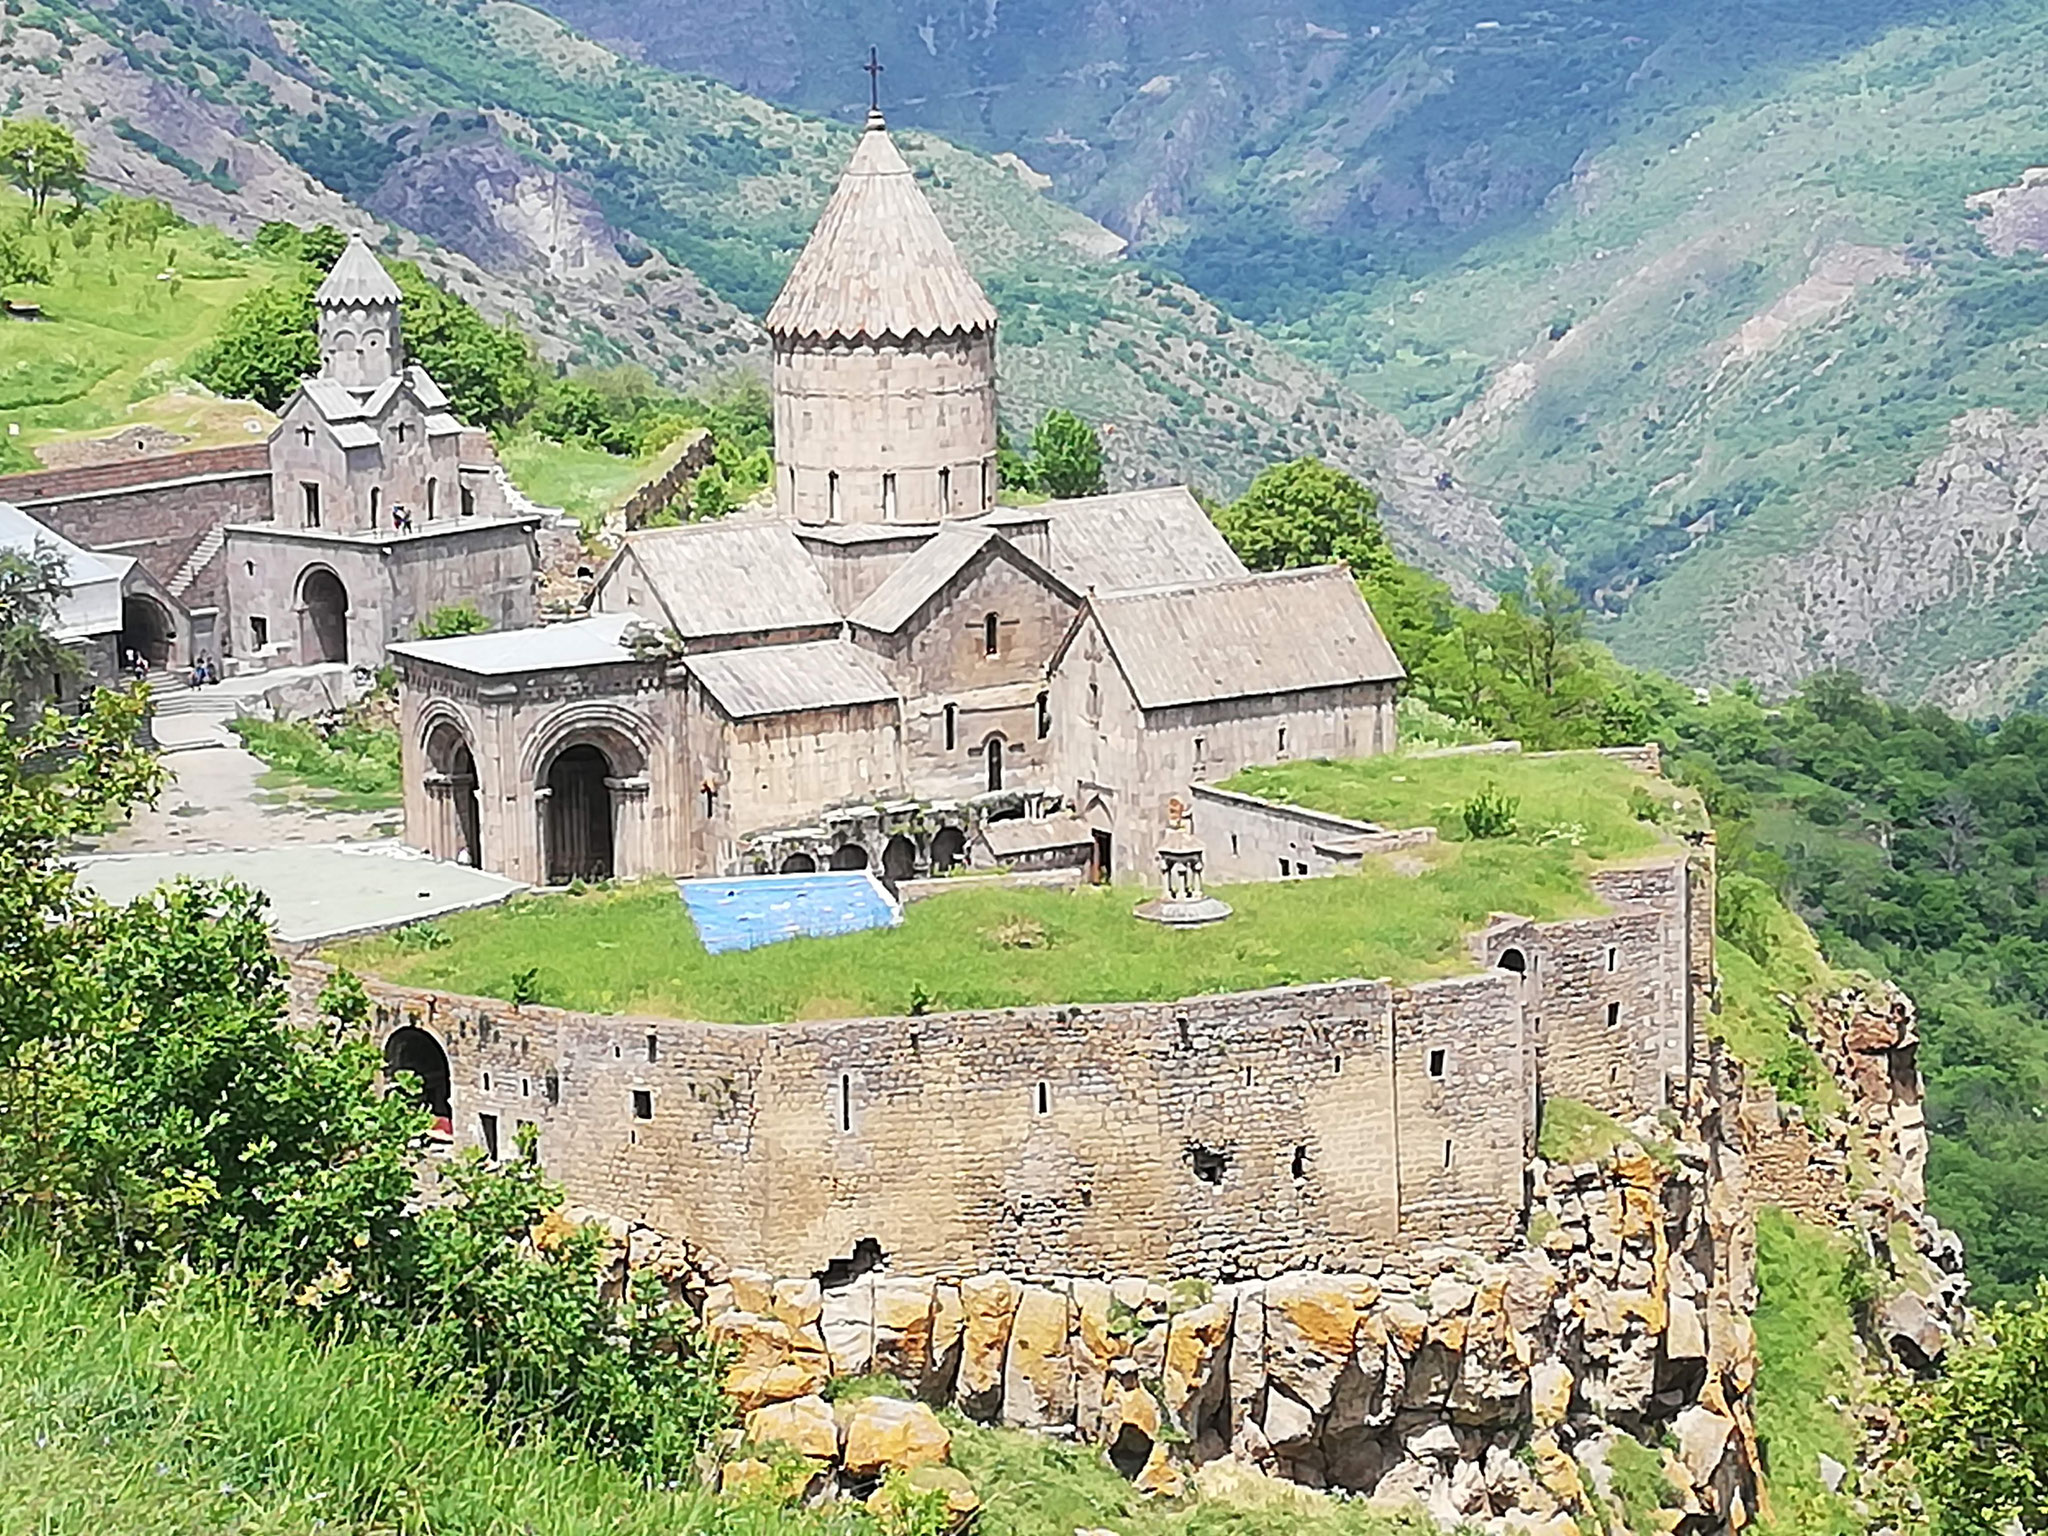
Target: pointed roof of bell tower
[(357, 278), (879, 263)]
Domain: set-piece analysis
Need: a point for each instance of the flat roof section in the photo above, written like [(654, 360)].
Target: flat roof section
[(317, 892)]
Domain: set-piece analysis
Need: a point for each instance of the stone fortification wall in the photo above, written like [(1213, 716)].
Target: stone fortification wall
[(1247, 838), (157, 509), (1216, 1137)]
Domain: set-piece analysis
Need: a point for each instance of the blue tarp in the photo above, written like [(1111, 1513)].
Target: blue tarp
[(752, 910)]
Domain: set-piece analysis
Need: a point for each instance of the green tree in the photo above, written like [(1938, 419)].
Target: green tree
[(453, 619), (34, 663), (267, 344), (1067, 456), (1978, 1435), (41, 158), (1013, 470), (1306, 513), (489, 371)]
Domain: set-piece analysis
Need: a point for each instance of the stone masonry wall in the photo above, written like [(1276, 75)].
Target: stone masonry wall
[(1217, 1137)]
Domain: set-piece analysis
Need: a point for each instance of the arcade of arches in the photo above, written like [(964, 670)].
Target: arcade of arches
[(455, 831)]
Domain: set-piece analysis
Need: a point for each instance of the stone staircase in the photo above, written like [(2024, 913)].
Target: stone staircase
[(209, 546)]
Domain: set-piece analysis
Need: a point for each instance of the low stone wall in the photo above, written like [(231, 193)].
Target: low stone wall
[(691, 455), (1029, 879), (1247, 838)]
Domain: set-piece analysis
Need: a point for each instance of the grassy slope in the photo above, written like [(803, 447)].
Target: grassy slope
[(195, 1418), (585, 482), (117, 340), (1806, 1351)]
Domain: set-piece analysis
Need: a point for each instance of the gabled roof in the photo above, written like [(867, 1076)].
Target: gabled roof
[(1279, 632), (1135, 539), (928, 572), (756, 681), (879, 263), (1014, 838), (91, 604), (357, 278), (731, 578)]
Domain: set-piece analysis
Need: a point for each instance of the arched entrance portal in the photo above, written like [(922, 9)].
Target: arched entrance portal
[(460, 835), (146, 630), (323, 617), (848, 856), (414, 1051), (579, 827), (799, 864), (948, 844), (899, 860), (994, 752)]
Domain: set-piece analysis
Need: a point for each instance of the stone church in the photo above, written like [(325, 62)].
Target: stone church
[(368, 507), (888, 669)]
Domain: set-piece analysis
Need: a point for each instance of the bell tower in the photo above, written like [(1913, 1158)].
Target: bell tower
[(358, 304)]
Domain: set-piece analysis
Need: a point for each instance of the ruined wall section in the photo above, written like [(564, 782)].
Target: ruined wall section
[(1216, 1136)]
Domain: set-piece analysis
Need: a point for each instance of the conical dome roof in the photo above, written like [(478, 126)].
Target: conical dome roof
[(357, 277), (879, 263)]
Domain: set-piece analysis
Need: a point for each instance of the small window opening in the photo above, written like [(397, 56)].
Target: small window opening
[(643, 1104), (1286, 868), (1094, 701), (653, 1048), (866, 1258), (616, 1052), (1613, 1014), (526, 1139), (945, 491), (710, 801), (1436, 1063), (985, 498), (1613, 1075), (832, 496), (845, 1102), (312, 493), (1208, 1164), (488, 1126), (259, 632), (1247, 1074), (487, 1082), (1044, 715), (554, 1087), (1300, 1168), (1336, 1066), (526, 1087), (1613, 957), (1201, 753), (989, 635), (1283, 738), (468, 502), (1045, 1098), (889, 497), (952, 726), (1300, 869), (376, 507), (1447, 1154), (1233, 842)]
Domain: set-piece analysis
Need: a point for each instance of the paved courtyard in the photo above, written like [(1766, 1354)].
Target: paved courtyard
[(327, 872)]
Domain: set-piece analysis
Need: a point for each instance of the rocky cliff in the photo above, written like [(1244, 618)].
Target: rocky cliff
[(1524, 1393)]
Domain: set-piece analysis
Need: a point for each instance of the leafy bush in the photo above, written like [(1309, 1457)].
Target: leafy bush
[(1490, 813), (453, 619)]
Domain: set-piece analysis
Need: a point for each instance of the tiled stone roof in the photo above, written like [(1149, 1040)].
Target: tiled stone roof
[(357, 278), (879, 263)]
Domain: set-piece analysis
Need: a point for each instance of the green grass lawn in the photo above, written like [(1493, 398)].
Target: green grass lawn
[(585, 482), (1589, 802), (200, 1415), (356, 768), (122, 322), (633, 949), (1806, 1354)]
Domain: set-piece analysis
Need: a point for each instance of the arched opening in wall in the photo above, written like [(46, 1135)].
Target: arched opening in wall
[(848, 856), (414, 1052), (1514, 960), (449, 755), (949, 845), (945, 492), (579, 815), (323, 616), (433, 495), (994, 753), (146, 629), (376, 507), (799, 864), (899, 860)]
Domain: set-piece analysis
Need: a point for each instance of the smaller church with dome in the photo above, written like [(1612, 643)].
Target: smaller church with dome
[(889, 669)]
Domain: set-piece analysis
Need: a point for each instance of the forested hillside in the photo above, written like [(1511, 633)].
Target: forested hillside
[(1696, 293)]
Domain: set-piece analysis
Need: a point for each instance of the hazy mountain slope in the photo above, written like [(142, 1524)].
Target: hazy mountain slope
[(625, 212)]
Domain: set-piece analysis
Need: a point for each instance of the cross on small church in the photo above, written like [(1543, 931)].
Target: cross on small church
[(306, 436), (874, 73), (398, 429)]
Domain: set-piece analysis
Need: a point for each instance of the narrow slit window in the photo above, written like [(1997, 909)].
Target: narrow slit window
[(1283, 738), (643, 1104), (1447, 1154), (653, 1048), (989, 636), (952, 726), (1613, 1014), (1613, 957), (1044, 715), (945, 492), (1247, 1074), (1045, 1098), (1300, 1168), (1436, 1062), (845, 1102), (487, 1125), (888, 497)]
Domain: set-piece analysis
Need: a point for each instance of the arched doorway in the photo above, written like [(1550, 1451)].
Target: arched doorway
[(799, 864), (899, 860), (323, 617), (1514, 960), (412, 1050), (461, 838), (146, 630), (848, 856), (579, 815), (948, 846), (994, 753)]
